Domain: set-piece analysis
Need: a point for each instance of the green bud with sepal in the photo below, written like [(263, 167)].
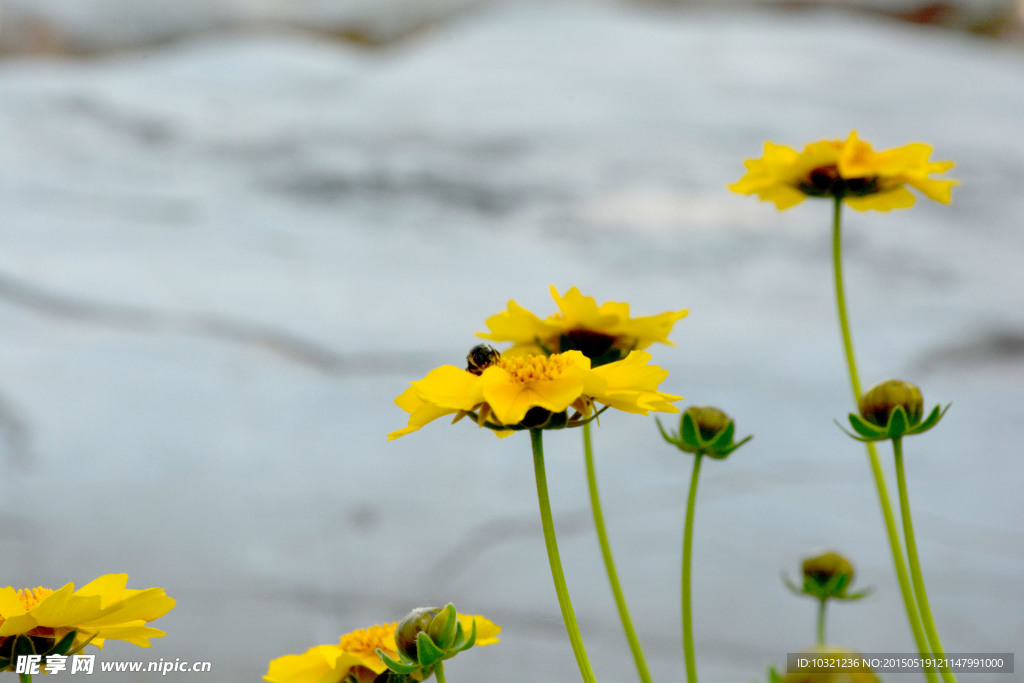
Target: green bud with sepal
[(706, 431), (426, 637), (827, 577), (891, 410)]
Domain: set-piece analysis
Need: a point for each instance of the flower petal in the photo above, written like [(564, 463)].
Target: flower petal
[(318, 664), (486, 630), (510, 401)]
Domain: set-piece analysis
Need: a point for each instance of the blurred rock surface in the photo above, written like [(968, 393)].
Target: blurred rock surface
[(91, 26), (224, 257)]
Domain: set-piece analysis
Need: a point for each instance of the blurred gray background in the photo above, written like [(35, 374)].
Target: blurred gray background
[(232, 232)]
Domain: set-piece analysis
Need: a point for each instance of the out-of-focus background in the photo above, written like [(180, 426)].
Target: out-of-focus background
[(232, 231)]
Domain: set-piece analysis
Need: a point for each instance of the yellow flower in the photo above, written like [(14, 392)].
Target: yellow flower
[(603, 333), (356, 655), (101, 610), (850, 170), (522, 392)]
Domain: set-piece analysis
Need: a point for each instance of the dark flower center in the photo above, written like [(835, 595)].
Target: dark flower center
[(597, 346), (825, 181)]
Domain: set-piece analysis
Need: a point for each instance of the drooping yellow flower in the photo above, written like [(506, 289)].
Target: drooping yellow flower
[(523, 392), (101, 610), (603, 333), (848, 169), (356, 655)]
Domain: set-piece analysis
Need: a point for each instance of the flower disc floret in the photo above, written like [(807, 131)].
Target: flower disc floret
[(603, 333), (524, 392), (849, 170)]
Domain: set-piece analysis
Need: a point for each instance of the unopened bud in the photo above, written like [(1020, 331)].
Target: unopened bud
[(710, 421), (414, 623), (878, 404), (829, 569)]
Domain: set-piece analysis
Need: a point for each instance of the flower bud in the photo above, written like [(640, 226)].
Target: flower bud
[(416, 622), (429, 635), (891, 410), (827, 577), (878, 404), (704, 430), (829, 571), (710, 422)]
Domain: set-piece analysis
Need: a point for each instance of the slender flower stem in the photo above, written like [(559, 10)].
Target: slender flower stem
[(691, 504), (899, 563), (439, 673), (915, 564), (24, 678), (609, 562), (568, 616), (821, 621)]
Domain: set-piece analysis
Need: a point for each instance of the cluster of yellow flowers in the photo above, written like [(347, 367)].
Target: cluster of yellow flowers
[(550, 368), (584, 358)]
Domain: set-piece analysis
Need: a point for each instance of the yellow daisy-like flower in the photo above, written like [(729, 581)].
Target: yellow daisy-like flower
[(355, 655), (101, 610), (849, 170), (603, 333), (524, 392)]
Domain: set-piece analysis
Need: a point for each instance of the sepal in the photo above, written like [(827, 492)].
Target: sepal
[(704, 430)]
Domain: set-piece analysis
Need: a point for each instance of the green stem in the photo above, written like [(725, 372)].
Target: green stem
[(899, 563), (25, 678), (439, 673), (609, 562), (691, 504), (821, 621), (568, 616), (915, 564)]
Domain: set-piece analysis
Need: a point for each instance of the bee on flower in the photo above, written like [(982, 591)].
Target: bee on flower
[(535, 391)]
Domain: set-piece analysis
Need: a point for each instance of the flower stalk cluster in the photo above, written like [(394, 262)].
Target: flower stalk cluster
[(850, 172)]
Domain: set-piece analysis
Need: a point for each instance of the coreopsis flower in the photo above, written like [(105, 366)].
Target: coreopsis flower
[(528, 392), (603, 333), (355, 656), (58, 621), (846, 169)]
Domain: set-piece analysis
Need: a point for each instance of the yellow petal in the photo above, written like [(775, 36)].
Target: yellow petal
[(631, 384), (518, 325), (486, 630), (898, 198), (582, 312), (449, 387), (310, 667), (420, 412), (135, 632), (510, 401)]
